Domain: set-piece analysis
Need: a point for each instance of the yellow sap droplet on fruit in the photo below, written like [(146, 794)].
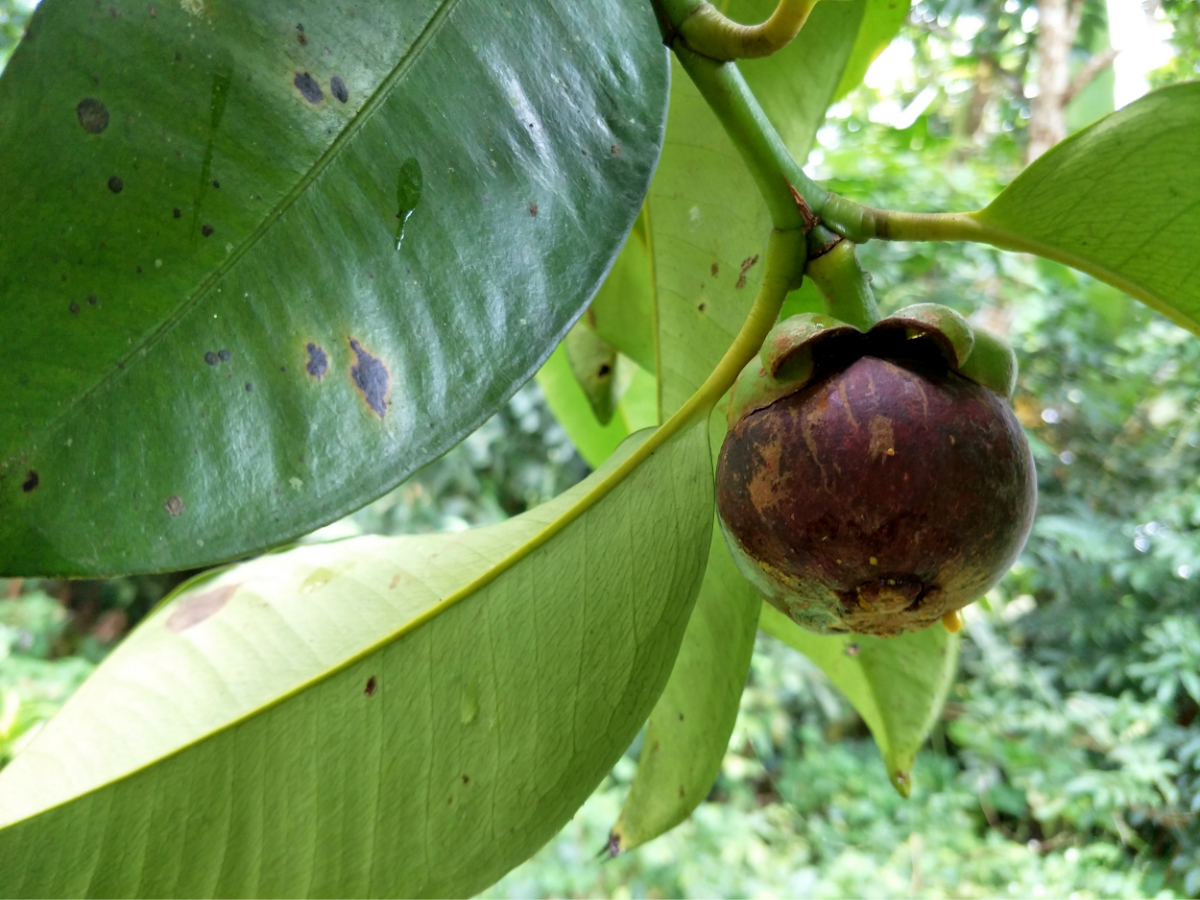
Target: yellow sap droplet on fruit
[(874, 561), (952, 621)]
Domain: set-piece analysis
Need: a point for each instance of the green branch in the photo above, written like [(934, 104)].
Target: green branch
[(709, 32)]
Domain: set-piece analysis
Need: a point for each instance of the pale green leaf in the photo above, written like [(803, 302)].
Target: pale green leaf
[(385, 716), (1119, 200), (688, 732), (707, 224), (897, 685)]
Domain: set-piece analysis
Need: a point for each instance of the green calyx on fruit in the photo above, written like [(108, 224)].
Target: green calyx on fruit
[(875, 482)]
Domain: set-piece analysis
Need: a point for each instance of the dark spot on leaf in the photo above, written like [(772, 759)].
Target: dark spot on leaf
[(92, 301), (206, 230), (216, 183), (702, 306), (211, 358), (337, 87), (174, 505), (139, 270), (249, 388), (308, 88), (300, 35), (372, 686), (318, 362), (682, 792), (715, 269), (93, 115), (31, 481), (195, 609), (533, 208), (614, 845), (449, 801), (371, 378), (74, 308), (115, 184), (466, 778), (604, 370), (177, 212), (224, 355), (746, 264), (153, 13), (614, 150), (681, 717), (852, 649)]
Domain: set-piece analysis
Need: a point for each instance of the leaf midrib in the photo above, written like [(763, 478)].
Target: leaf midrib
[(322, 162)]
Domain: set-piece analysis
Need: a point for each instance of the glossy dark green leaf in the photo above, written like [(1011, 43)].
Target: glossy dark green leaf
[(254, 738), (1119, 200), (213, 342)]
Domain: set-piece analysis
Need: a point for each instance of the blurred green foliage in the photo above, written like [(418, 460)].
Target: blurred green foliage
[(1068, 758)]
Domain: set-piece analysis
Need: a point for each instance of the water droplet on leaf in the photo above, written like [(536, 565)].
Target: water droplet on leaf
[(408, 194)]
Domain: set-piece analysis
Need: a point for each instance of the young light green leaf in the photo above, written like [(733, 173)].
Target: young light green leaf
[(593, 362), (622, 312), (257, 270), (1119, 200), (688, 732), (897, 685), (596, 441), (387, 717), (881, 23)]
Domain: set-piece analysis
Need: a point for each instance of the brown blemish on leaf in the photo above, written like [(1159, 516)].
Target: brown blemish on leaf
[(533, 210), (29, 485), (615, 150), (715, 269), (300, 35), (371, 688), (224, 355), (115, 184), (395, 581), (614, 845), (338, 88), (371, 378), (466, 778), (195, 609), (174, 505), (93, 115), (74, 308), (852, 649), (318, 361), (177, 213), (308, 88), (211, 358), (747, 264), (206, 230), (91, 300)]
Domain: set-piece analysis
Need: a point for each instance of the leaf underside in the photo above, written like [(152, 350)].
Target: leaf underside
[(1119, 200), (379, 717), (257, 264)]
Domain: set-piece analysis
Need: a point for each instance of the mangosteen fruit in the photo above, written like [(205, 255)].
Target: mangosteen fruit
[(866, 483)]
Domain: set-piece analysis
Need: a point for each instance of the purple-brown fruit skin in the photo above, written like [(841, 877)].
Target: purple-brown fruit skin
[(878, 498)]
